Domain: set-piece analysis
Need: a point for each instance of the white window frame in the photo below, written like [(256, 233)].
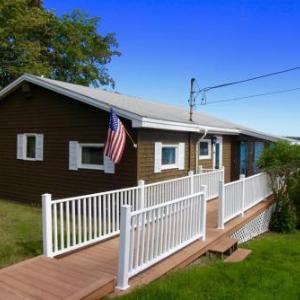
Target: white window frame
[(89, 166), (171, 166), (26, 135), (209, 149)]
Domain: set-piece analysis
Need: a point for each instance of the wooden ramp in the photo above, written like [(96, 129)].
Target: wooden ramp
[(91, 273)]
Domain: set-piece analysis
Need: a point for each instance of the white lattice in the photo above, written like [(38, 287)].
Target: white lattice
[(255, 227)]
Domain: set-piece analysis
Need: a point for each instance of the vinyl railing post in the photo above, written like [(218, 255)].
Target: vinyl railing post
[(203, 216), (191, 174), (243, 179), (200, 169), (141, 184), (47, 225), (221, 206), (122, 280)]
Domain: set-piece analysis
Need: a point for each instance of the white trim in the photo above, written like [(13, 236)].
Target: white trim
[(176, 164), (24, 147), (89, 166), (202, 157), (218, 141)]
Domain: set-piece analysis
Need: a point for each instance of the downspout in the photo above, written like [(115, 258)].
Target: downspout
[(197, 148)]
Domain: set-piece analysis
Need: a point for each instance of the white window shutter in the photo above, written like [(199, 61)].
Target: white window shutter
[(181, 156), (39, 147), (109, 166), (20, 146), (157, 157), (73, 155)]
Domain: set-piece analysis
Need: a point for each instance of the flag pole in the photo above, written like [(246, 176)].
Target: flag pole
[(130, 137)]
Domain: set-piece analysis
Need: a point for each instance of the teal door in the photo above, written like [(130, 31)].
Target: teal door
[(243, 158)]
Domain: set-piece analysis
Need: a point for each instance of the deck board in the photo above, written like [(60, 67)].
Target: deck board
[(90, 273)]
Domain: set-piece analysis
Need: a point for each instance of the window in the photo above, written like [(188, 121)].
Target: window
[(169, 157), (30, 146), (205, 149), (258, 149), (91, 156)]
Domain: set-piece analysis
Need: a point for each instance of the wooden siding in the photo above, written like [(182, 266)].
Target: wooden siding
[(227, 156), (146, 142), (61, 120)]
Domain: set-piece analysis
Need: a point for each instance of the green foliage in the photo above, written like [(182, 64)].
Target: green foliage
[(282, 163), (69, 48), (294, 192), (20, 232), (270, 272), (284, 217)]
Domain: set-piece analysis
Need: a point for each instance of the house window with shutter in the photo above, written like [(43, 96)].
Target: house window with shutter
[(169, 157), (30, 146), (89, 156)]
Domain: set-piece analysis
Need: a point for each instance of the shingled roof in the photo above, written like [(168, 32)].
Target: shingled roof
[(142, 113)]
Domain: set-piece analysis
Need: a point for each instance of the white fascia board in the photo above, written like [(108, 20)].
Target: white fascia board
[(262, 136), (68, 93), (178, 126)]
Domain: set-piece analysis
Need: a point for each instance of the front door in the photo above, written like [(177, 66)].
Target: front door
[(217, 153), (243, 158)]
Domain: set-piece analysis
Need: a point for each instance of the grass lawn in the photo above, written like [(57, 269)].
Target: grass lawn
[(272, 271), (20, 232)]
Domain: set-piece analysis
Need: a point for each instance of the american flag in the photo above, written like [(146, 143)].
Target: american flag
[(116, 138)]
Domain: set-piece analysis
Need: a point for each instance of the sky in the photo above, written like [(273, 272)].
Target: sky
[(166, 43)]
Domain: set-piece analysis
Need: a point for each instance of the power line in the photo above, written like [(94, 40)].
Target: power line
[(249, 79), (253, 96)]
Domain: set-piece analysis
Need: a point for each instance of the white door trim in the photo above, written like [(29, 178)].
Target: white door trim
[(220, 142)]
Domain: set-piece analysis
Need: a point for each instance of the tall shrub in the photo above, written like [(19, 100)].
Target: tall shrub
[(281, 161)]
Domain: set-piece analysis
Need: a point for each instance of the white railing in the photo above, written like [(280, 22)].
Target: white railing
[(150, 235), (211, 180), (75, 222), (238, 196)]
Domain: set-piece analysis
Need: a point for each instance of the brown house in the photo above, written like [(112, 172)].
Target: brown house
[(52, 136)]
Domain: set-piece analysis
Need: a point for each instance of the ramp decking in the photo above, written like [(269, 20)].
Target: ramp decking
[(91, 272)]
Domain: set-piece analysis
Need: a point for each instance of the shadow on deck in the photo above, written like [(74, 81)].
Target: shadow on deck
[(91, 273)]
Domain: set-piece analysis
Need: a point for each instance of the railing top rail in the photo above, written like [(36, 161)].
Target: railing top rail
[(95, 194), (233, 182), (166, 181), (165, 204), (255, 175), (209, 171)]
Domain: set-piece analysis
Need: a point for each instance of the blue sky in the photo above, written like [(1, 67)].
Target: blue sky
[(165, 43)]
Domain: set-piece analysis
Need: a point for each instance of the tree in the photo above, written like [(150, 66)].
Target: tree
[(281, 161), (68, 48)]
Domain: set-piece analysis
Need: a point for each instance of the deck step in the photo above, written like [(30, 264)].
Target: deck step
[(226, 246), (238, 255)]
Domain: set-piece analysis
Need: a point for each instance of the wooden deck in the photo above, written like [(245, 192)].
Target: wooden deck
[(91, 273)]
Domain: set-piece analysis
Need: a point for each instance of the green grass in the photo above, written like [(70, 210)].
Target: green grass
[(20, 232), (272, 271)]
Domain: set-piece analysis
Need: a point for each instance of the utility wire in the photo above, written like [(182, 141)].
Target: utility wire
[(252, 96), (249, 79)]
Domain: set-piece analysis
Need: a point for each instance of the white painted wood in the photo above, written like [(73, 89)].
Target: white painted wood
[(109, 165), (181, 156), (242, 178), (47, 225), (157, 157), (123, 276), (39, 147), (203, 212), (20, 146), (191, 174), (221, 205), (141, 185), (73, 155)]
